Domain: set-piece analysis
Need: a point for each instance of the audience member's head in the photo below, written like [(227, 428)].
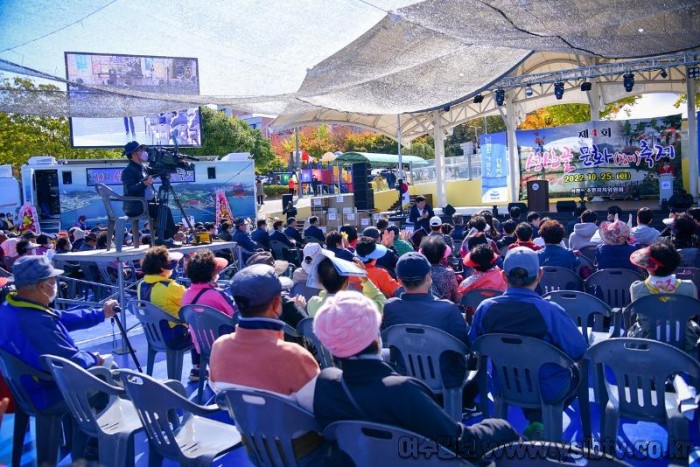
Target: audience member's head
[(435, 223), (102, 241), (372, 232), (614, 233), (292, 222), (63, 244), (589, 216), (313, 220), (659, 259), (508, 226), (420, 202), (241, 223), (683, 226), (348, 325), (159, 261), (382, 224), (447, 229), (644, 216), (25, 247), (515, 213), (552, 232), (478, 223), (395, 230), (458, 219), (330, 278), (534, 218), (257, 292), (413, 271), (91, 240), (521, 268), (612, 211), (226, 226), (433, 248), (36, 279), (524, 232), (694, 212), (350, 232), (481, 258), (334, 239), (261, 224), (368, 250), (204, 267), (265, 257), (278, 224)]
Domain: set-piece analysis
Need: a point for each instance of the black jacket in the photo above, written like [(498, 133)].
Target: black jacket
[(315, 232), (413, 216), (391, 399), (281, 237), (133, 176), (294, 234)]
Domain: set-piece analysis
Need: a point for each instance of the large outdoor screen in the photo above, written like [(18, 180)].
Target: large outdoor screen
[(167, 75)]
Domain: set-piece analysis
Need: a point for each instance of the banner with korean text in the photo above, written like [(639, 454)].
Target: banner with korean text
[(494, 168), (616, 159)]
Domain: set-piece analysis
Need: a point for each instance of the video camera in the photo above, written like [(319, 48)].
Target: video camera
[(164, 162)]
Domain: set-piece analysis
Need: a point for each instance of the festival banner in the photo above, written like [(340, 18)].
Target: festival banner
[(616, 159), (494, 168)]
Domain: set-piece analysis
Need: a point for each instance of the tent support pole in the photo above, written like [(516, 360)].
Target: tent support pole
[(511, 121), (692, 136), (439, 138)]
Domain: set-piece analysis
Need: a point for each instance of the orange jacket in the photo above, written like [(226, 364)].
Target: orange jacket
[(382, 279)]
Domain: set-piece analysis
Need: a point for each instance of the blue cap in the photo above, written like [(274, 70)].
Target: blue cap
[(130, 147), (522, 257), (371, 232), (412, 266), (378, 252), (255, 285), (29, 270)]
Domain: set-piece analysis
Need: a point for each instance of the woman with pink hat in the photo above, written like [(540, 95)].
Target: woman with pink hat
[(369, 389), (617, 246)]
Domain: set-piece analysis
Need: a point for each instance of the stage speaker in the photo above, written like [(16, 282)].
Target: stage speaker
[(361, 187), (286, 199), (566, 206), (538, 195)]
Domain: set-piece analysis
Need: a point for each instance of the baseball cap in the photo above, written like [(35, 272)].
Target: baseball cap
[(371, 232), (240, 221), (29, 270), (131, 146), (412, 266), (435, 221), (255, 285), (522, 257), (265, 257)]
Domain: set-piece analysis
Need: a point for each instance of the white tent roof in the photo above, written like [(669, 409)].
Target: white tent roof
[(367, 60)]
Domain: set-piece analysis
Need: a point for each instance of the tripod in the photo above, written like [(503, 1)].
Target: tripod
[(164, 192)]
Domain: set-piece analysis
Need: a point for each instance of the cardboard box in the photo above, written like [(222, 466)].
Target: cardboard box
[(364, 219), (350, 218), (348, 210), (342, 201)]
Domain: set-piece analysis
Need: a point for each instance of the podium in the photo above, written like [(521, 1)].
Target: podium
[(538, 195), (665, 187)]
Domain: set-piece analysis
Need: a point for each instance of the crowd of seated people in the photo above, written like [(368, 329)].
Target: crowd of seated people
[(391, 283)]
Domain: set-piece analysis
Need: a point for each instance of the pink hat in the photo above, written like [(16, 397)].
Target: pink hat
[(347, 323), (614, 233)]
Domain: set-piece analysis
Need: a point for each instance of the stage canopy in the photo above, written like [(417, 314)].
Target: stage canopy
[(379, 160), (366, 63)]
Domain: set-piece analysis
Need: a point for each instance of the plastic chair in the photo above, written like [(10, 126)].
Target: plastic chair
[(150, 317), (282, 252), (269, 423), (116, 223), (205, 325), (667, 315), (114, 426), (641, 368), (300, 288), (421, 348), (305, 329), (517, 361), (376, 445), (690, 274), (612, 285), (556, 278), (48, 420), (471, 300), (189, 439), (589, 252), (529, 453), (581, 307)]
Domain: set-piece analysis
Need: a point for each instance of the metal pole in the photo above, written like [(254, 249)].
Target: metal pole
[(439, 138), (398, 139), (297, 161), (692, 135)]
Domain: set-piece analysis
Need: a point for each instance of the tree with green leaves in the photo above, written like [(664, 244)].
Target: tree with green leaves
[(24, 136)]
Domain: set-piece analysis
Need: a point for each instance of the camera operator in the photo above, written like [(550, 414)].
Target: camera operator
[(137, 182)]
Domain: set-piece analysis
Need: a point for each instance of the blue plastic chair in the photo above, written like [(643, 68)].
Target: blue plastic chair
[(114, 425), (300, 288), (421, 348), (586, 309), (176, 427), (667, 316), (306, 329), (206, 325), (612, 285), (371, 444), (48, 420), (528, 453), (268, 422), (517, 361), (471, 300), (150, 317), (556, 278), (641, 368)]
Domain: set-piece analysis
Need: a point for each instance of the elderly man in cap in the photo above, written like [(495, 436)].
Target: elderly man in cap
[(242, 237), (369, 389), (31, 328), (139, 183), (520, 310), (256, 355)]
